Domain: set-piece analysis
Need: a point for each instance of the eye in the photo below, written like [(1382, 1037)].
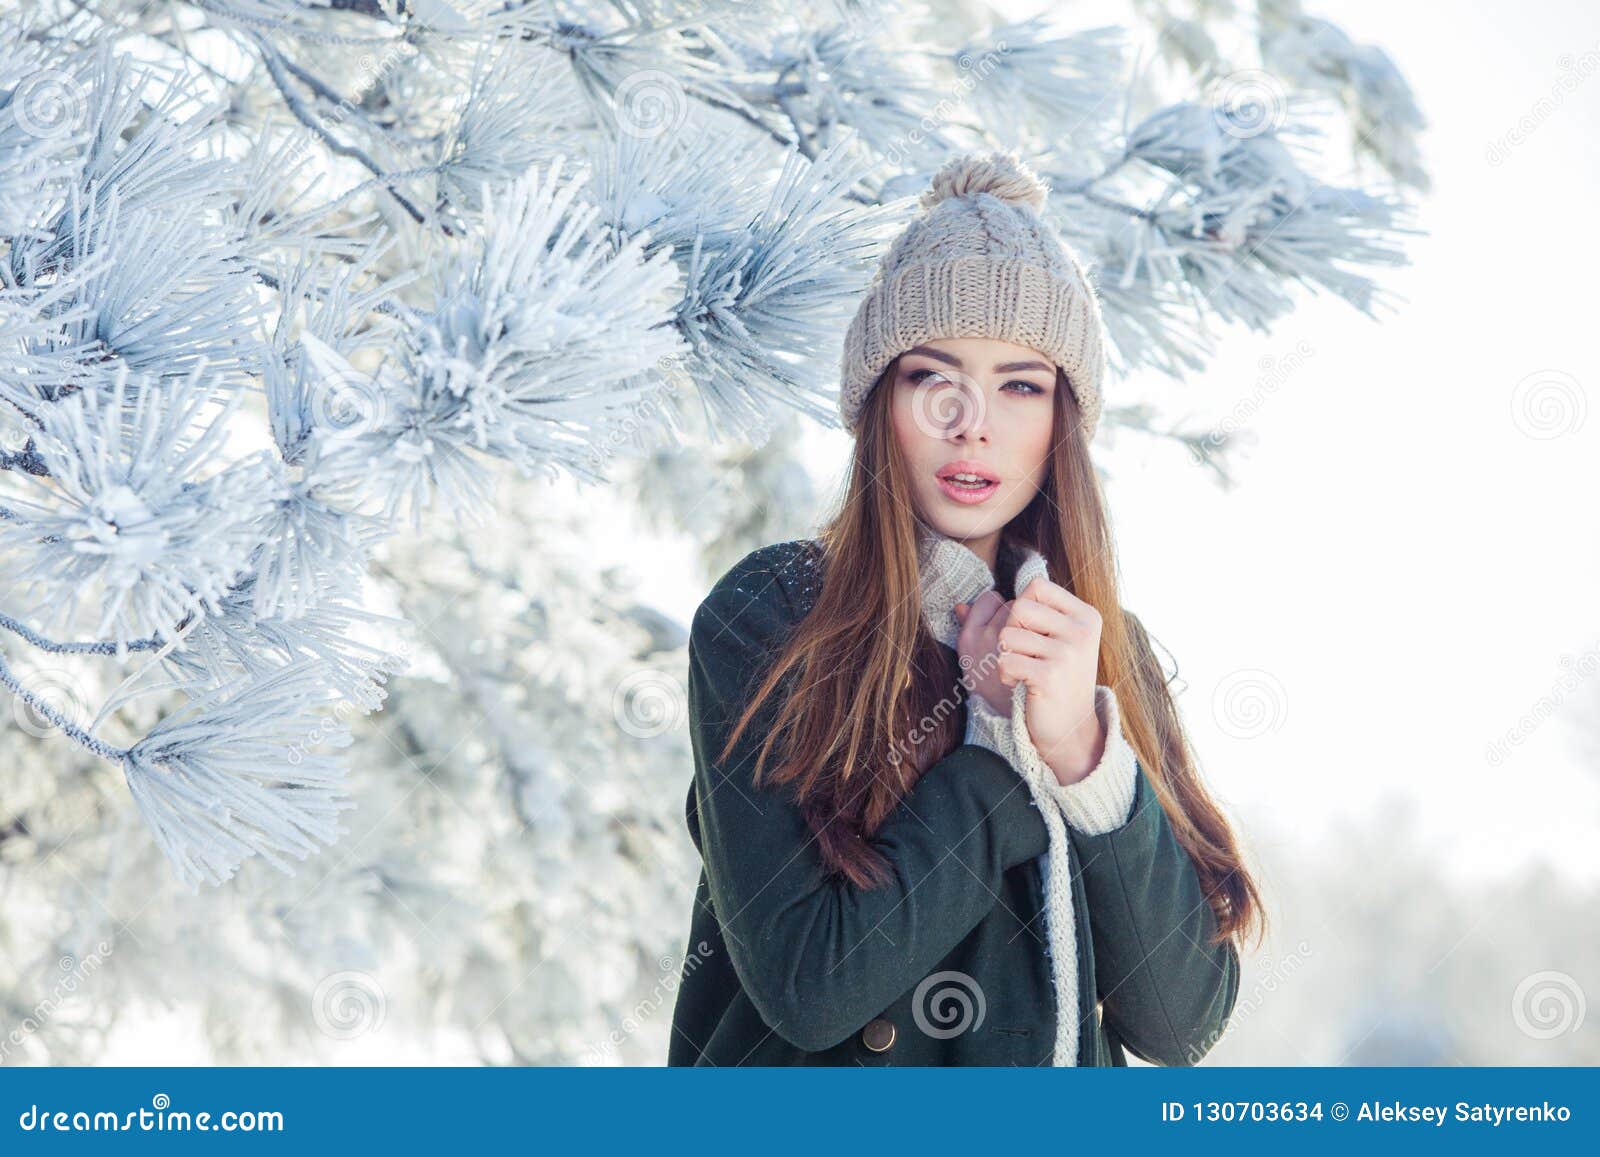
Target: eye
[(918, 376)]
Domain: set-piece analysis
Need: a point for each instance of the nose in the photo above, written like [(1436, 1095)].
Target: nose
[(970, 420)]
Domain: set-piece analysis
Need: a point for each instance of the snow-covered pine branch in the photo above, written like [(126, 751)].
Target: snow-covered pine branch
[(295, 296)]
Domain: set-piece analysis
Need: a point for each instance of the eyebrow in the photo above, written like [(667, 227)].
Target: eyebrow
[(1002, 368)]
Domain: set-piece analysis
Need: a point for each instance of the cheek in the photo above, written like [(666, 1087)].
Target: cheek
[(901, 426), (915, 443), (1040, 454), (898, 417), (1030, 442)]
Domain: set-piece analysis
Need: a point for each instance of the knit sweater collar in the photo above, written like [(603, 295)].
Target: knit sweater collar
[(950, 572)]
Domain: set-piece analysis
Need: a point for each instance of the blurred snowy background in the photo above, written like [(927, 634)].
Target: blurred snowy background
[(455, 506)]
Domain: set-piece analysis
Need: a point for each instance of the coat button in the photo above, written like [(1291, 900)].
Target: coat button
[(878, 1035)]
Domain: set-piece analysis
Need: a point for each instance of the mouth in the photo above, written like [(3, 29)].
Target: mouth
[(967, 482)]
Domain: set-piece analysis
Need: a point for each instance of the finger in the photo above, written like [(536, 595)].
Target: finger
[(1015, 668), (984, 608), (1017, 640), (1044, 619), (1053, 594)]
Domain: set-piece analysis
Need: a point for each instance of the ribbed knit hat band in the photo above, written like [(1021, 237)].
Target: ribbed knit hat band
[(979, 262)]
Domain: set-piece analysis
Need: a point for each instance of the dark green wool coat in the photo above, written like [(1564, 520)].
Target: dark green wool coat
[(787, 964)]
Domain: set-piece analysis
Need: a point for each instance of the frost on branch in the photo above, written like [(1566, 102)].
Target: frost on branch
[(237, 778), (127, 517), (536, 328)]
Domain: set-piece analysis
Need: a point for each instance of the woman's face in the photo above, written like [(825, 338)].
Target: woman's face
[(975, 405)]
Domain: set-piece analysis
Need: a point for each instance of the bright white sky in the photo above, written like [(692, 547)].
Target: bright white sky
[(1403, 561)]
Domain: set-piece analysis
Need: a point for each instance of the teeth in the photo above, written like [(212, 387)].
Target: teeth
[(968, 478)]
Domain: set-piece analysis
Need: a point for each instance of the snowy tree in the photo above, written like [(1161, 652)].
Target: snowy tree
[(338, 332)]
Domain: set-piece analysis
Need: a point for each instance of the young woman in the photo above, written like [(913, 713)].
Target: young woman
[(943, 798)]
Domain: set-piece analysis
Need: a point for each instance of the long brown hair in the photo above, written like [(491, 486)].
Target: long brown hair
[(871, 697)]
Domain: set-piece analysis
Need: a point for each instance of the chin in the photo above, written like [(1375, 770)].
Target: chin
[(970, 523)]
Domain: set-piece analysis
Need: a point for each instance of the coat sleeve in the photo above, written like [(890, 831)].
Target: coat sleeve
[(1165, 989), (819, 957), (1096, 803)]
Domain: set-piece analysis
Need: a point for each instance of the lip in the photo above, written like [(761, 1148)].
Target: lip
[(967, 466), (966, 497)]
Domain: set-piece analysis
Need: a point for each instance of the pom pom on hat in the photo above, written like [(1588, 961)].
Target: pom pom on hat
[(1001, 175)]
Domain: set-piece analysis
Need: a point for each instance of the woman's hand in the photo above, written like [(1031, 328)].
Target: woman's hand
[(1051, 642), (977, 646)]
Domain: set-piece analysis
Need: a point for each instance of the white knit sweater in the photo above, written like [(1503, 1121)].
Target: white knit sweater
[(1100, 802)]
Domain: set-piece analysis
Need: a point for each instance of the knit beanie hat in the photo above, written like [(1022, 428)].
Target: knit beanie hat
[(979, 262)]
